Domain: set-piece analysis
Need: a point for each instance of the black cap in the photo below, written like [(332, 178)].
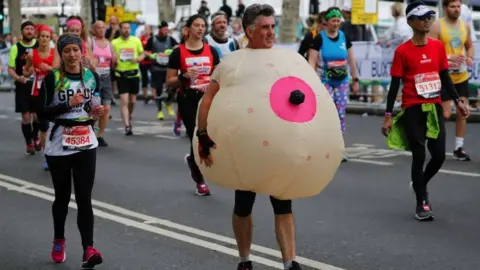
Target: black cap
[(163, 24)]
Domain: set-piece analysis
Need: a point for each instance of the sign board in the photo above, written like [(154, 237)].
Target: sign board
[(364, 11), (129, 17), (116, 11)]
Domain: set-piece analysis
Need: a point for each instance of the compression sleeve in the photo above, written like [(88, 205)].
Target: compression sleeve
[(392, 93), (46, 93), (447, 84)]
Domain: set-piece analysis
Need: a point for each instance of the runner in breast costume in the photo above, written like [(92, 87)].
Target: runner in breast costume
[(71, 145), (219, 38), (40, 62)]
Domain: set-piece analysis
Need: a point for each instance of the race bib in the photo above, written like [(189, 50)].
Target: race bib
[(126, 54), (103, 70), (76, 138), (162, 59), (454, 68), (428, 85)]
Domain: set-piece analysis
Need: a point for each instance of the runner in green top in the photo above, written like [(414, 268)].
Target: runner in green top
[(129, 51), (24, 102)]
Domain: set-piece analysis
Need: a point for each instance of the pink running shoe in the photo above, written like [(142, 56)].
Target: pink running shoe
[(58, 251), (91, 257), (202, 190)]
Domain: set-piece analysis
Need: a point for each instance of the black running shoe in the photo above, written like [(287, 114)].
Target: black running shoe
[(128, 131), (461, 155), (424, 212), (245, 266), (295, 266), (102, 142)]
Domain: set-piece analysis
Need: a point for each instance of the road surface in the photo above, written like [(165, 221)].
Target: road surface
[(147, 216)]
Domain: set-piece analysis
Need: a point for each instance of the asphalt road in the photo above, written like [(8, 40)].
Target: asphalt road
[(147, 216)]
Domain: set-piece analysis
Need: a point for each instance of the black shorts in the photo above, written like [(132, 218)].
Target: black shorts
[(128, 85), (24, 102), (144, 73), (462, 90)]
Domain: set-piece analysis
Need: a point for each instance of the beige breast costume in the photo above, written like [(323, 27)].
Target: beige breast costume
[(276, 127)]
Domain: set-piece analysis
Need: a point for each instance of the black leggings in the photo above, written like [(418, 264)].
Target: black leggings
[(187, 108), (414, 123), (244, 201), (82, 167)]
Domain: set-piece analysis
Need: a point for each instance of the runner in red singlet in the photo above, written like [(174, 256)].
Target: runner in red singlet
[(189, 68), (40, 61)]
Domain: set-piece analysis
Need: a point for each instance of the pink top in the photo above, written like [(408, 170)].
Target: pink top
[(104, 57)]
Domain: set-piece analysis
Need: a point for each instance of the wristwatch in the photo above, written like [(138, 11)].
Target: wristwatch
[(355, 79), (201, 131)]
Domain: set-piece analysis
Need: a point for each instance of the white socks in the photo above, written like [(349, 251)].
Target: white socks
[(458, 142)]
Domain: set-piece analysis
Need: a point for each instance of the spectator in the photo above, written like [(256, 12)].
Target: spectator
[(227, 9), (240, 9), (400, 30), (204, 10), (354, 32)]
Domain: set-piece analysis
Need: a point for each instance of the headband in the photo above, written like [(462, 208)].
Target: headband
[(65, 40), (74, 22), (44, 28), (334, 13)]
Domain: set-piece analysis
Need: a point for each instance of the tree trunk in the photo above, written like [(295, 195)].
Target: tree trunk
[(14, 17), (289, 21), (166, 11), (86, 13)]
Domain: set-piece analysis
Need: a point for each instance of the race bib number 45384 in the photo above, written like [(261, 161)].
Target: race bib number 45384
[(76, 138), (428, 85)]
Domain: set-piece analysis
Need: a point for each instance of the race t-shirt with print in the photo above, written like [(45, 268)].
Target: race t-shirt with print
[(419, 68), (70, 140), (198, 57), (126, 50)]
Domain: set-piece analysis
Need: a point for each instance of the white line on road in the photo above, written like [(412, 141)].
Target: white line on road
[(167, 137), (146, 220), (460, 173), (363, 145), (381, 163)]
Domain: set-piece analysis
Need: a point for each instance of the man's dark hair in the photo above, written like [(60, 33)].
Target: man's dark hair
[(254, 11), (446, 3)]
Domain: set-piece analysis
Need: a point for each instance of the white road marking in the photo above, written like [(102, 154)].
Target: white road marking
[(381, 163), (146, 220), (167, 137), (3, 116), (460, 173), (363, 145)]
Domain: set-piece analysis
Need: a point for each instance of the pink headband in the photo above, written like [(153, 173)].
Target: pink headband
[(73, 22)]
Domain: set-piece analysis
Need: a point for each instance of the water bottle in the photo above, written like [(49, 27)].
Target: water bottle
[(95, 102), (193, 80)]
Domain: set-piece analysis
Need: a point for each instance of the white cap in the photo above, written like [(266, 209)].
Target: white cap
[(420, 11)]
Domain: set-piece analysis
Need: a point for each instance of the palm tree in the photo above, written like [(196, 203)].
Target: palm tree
[(289, 21)]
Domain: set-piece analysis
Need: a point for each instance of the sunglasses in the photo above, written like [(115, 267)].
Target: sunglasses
[(426, 17)]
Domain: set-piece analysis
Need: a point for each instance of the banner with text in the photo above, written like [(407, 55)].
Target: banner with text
[(374, 61)]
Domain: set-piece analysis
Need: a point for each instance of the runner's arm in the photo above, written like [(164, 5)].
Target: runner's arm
[(206, 102), (351, 60), (114, 56), (448, 85), (27, 70), (141, 51), (314, 52), (469, 44), (11, 63), (392, 93), (173, 76), (46, 93)]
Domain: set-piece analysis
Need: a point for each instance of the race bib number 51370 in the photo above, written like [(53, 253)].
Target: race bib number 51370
[(76, 138), (428, 85)]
